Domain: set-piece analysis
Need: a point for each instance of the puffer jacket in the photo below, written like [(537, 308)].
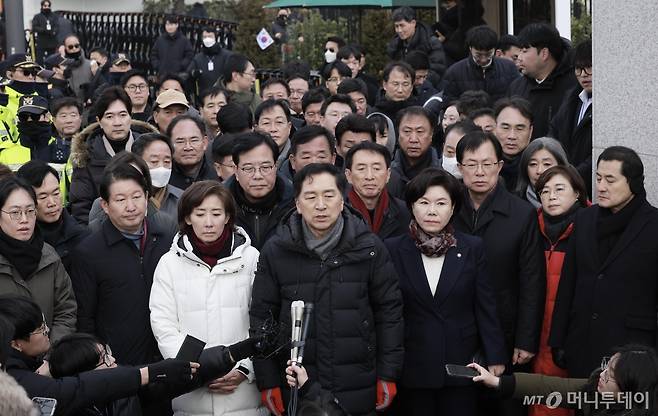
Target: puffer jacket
[(543, 362), (88, 160), (211, 304), (49, 286), (422, 40), (466, 75), (356, 334)]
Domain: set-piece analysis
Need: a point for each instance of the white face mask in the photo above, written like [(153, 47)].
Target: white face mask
[(160, 176), (450, 166), (329, 56), (209, 42)]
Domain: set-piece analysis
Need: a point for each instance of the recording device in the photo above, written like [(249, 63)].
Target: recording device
[(461, 371), (306, 321), (296, 315), (191, 349), (46, 406)]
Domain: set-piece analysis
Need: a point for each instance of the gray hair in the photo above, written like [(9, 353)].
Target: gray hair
[(548, 143)]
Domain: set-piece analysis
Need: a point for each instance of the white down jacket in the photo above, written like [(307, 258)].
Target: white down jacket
[(212, 305)]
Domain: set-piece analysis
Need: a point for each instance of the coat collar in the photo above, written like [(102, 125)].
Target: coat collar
[(415, 270), (635, 227)]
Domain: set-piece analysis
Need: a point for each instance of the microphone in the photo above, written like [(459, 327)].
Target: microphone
[(296, 312), (306, 321)]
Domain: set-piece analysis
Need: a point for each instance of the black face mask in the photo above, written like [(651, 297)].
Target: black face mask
[(24, 87), (35, 129), (46, 11), (73, 55), (282, 20)]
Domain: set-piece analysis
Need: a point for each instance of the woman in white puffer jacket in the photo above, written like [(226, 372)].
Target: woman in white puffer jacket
[(202, 287)]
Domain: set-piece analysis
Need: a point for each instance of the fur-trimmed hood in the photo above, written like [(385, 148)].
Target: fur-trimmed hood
[(79, 142)]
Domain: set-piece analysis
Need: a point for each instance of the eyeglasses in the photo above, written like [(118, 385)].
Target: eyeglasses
[(486, 166), (250, 74), (136, 87), (106, 356), (605, 369), (263, 170), (546, 193), (71, 47), (193, 141), (334, 79), (227, 165), (581, 71), (43, 330), (17, 215)]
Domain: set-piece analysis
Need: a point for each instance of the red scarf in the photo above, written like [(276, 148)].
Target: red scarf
[(209, 252), (382, 205)]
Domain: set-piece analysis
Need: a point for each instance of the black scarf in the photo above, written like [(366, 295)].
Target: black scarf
[(610, 226), (510, 171), (555, 226), (24, 255), (52, 231), (262, 207), (412, 171)]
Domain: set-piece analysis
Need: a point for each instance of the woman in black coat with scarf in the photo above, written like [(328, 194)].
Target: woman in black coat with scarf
[(449, 306)]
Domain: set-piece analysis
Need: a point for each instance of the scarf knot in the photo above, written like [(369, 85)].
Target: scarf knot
[(433, 245)]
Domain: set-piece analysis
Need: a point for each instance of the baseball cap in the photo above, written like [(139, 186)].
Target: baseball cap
[(171, 97), (56, 60), (33, 104), (120, 58)]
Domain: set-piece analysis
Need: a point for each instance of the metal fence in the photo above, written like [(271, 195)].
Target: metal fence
[(135, 33)]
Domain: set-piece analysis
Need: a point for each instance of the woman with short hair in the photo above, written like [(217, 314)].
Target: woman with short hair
[(202, 287), (562, 193), (449, 304), (29, 266)]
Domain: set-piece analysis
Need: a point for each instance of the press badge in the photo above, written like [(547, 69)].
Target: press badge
[(211, 66), (47, 24)]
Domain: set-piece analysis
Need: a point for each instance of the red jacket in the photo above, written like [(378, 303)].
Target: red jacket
[(543, 363)]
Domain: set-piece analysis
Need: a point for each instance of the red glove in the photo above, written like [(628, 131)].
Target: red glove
[(271, 399), (386, 391)]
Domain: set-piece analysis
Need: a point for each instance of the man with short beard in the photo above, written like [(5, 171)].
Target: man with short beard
[(80, 66)]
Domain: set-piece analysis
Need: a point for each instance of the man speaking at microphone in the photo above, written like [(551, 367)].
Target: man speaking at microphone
[(323, 253)]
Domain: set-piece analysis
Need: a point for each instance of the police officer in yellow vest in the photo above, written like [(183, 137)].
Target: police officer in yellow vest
[(34, 132)]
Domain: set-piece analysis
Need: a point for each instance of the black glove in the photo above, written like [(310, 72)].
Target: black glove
[(196, 73), (559, 357), (170, 371)]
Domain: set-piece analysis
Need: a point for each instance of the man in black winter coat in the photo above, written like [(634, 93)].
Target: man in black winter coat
[(172, 52), (508, 226), (208, 65), (325, 254), (547, 74), (112, 270), (57, 226), (607, 292), (481, 70), (572, 126), (262, 196), (413, 35), (45, 26)]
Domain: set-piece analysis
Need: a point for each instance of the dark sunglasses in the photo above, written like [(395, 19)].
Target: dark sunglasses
[(25, 117), (30, 72), (76, 46)]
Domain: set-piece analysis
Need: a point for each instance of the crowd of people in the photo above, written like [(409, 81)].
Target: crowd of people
[(437, 211)]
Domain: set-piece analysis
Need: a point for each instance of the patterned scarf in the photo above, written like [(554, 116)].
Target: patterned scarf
[(433, 245)]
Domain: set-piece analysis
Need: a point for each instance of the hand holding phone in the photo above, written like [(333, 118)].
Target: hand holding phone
[(462, 371), (191, 349)]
